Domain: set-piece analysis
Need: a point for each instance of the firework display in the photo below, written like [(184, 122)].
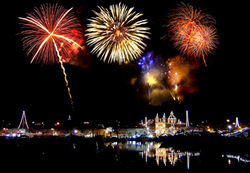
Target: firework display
[(117, 34), (192, 31), (49, 34)]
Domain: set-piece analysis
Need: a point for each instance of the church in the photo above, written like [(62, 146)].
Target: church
[(168, 125)]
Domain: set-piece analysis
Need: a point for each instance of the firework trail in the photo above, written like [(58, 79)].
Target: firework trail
[(49, 35), (65, 74), (193, 32), (117, 34)]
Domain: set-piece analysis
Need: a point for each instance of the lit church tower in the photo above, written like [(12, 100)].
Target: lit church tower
[(160, 125), (164, 118), (157, 118), (237, 124), (187, 119), (171, 118)]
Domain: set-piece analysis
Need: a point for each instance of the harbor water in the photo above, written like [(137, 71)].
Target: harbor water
[(78, 154)]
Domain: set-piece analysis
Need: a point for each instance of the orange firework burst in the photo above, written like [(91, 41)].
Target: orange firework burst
[(193, 32)]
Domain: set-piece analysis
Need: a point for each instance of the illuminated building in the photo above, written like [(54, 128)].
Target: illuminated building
[(160, 125), (131, 132), (164, 126), (172, 120)]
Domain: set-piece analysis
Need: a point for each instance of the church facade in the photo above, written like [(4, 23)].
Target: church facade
[(164, 126)]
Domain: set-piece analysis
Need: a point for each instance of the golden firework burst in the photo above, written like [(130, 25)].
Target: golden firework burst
[(116, 34)]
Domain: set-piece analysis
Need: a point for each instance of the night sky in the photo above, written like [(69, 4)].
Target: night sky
[(103, 91)]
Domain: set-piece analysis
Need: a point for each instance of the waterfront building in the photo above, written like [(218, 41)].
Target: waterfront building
[(170, 125), (160, 125), (131, 132)]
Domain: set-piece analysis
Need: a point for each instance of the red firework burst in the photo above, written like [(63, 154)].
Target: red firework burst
[(193, 33), (49, 32)]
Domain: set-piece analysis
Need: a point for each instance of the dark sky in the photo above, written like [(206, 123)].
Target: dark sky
[(103, 91)]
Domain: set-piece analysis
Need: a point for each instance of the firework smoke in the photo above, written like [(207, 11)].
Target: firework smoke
[(181, 77), (159, 96), (153, 75)]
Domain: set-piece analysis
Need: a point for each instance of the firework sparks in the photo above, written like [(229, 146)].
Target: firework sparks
[(153, 69), (157, 92), (151, 80), (193, 33), (146, 62), (177, 71), (117, 34), (49, 35), (181, 78)]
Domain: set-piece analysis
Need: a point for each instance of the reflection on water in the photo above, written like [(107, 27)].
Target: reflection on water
[(153, 150), (239, 158), (170, 155), (77, 154), (153, 153)]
